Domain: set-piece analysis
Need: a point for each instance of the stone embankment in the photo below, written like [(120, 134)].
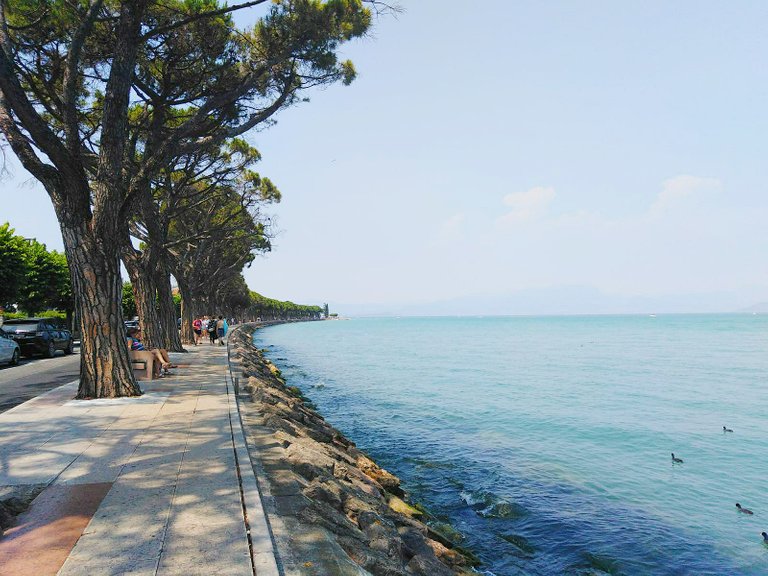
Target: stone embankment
[(332, 510)]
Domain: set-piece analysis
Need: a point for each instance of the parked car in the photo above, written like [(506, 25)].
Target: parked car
[(39, 336), (9, 349)]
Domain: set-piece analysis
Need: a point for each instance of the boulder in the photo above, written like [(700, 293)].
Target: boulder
[(389, 482), (428, 565), (327, 492)]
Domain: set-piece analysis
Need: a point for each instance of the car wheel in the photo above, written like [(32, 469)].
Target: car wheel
[(70, 347), (51, 351), (15, 358)]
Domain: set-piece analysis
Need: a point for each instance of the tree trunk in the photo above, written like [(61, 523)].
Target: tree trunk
[(188, 314), (94, 265), (145, 297), (167, 311)]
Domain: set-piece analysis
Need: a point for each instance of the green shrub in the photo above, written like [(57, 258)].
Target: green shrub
[(46, 314)]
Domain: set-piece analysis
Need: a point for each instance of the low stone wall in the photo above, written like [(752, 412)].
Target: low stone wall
[(332, 510)]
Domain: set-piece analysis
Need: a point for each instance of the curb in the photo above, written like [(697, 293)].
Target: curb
[(259, 532)]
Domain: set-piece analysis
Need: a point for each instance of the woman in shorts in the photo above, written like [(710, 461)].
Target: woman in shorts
[(197, 327)]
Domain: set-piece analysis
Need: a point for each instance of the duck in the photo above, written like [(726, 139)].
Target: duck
[(727, 429), (744, 510), (676, 460)]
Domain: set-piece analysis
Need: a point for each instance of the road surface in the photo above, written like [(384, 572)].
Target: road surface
[(33, 376)]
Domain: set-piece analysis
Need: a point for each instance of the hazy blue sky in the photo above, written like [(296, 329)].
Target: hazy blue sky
[(556, 148)]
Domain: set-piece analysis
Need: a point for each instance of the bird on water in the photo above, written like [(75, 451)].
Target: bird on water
[(744, 510), (765, 537), (676, 460), (727, 429)]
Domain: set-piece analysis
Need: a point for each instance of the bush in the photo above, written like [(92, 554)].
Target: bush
[(47, 314)]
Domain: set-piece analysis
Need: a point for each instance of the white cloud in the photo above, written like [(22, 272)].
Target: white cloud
[(676, 190), (528, 205)]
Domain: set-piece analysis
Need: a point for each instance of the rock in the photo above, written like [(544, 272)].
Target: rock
[(389, 482), (354, 505), (428, 565), (447, 555), (414, 542), (372, 561), (367, 518), (383, 537), (319, 435), (324, 492), (277, 423), (324, 515), (368, 488), (402, 507)]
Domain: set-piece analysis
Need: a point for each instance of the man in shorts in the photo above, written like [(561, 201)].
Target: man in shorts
[(221, 329)]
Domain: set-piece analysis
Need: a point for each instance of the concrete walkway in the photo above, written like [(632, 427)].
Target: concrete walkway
[(156, 485)]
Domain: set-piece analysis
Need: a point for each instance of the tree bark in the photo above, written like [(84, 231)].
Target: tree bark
[(188, 314), (167, 310), (145, 297), (105, 366)]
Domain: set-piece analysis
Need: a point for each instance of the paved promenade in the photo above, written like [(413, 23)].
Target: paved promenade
[(143, 486)]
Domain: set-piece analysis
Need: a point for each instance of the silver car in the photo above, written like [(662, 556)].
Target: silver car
[(9, 349)]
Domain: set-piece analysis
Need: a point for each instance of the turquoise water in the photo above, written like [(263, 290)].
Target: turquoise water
[(546, 441)]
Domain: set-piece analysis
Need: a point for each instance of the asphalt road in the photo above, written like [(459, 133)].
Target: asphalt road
[(33, 376)]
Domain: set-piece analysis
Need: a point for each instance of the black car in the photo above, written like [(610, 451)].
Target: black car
[(39, 336)]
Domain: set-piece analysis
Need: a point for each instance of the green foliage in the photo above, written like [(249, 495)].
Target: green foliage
[(129, 304), (13, 267), (270, 309), (52, 314), (10, 315), (58, 314), (177, 304), (47, 284), (32, 277)]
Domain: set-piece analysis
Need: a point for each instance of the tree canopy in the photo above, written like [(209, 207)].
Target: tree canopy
[(102, 100), (12, 265), (34, 278)]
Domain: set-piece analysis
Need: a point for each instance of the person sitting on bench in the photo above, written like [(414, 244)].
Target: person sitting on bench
[(160, 354)]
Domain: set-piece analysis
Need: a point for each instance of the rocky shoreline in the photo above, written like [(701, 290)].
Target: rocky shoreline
[(332, 510)]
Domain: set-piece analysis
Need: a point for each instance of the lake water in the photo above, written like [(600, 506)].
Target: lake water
[(546, 441)]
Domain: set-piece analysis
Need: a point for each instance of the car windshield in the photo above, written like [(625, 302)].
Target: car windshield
[(20, 326)]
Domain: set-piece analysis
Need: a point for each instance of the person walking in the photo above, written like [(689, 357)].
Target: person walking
[(221, 329), (197, 327), (212, 330)]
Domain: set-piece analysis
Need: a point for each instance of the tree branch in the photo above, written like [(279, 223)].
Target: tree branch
[(199, 16), (69, 96)]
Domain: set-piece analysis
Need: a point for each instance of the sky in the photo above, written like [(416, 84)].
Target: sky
[(517, 157)]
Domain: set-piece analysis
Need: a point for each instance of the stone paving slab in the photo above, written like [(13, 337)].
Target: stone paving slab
[(45, 534), (175, 504)]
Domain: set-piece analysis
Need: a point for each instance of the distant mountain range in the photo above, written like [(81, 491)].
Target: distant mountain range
[(759, 308), (563, 300)]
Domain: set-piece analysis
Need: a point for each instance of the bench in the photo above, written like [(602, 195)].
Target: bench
[(143, 363)]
